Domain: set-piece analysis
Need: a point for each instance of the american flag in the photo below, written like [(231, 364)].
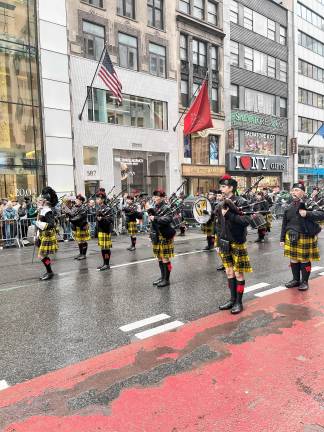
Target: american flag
[(108, 75)]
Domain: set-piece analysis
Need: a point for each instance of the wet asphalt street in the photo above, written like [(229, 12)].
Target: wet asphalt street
[(77, 315)]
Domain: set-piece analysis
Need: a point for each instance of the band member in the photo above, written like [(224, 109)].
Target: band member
[(219, 199), (262, 205), (46, 238), (299, 237), (80, 227), (162, 235), (105, 224), (132, 214), (209, 227), (232, 231)]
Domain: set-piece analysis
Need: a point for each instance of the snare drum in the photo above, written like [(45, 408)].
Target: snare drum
[(257, 221)]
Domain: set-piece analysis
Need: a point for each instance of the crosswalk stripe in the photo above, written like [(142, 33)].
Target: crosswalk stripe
[(256, 287), (270, 291), (321, 274), (160, 329), (3, 385), (317, 268), (144, 322)]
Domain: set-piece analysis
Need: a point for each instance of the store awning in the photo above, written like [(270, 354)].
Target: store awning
[(311, 171)]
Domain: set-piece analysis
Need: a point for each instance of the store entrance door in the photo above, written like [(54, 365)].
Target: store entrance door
[(199, 186)]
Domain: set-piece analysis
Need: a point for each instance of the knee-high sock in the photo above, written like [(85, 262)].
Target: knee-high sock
[(240, 285), (80, 248), (133, 240), (295, 270), (168, 269), (232, 287), (306, 269), (47, 263), (106, 256), (85, 248)]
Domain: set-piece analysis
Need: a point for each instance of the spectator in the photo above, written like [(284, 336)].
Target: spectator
[(92, 218), (10, 217), (23, 222)]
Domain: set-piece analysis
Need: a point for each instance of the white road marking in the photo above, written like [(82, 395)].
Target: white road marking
[(160, 329), (321, 274), (256, 287), (270, 291), (3, 385), (317, 268), (144, 322)]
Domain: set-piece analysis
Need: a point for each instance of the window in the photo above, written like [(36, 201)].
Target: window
[(214, 58), (248, 18), (214, 99), (234, 53), (184, 6), (271, 67), (97, 3), (213, 149), (155, 13), (248, 58), (283, 107), (126, 8), (310, 43), (199, 56), (310, 16), (310, 98), (260, 102), (127, 51), (310, 70), (282, 71), (307, 125), (283, 149), (198, 9), (93, 40), (212, 12), (157, 60), (90, 155), (271, 30), (183, 47), (135, 111), (234, 12), (234, 96), (184, 93), (260, 62), (305, 155), (283, 35)]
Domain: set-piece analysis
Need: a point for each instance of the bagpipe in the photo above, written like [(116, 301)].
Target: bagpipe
[(110, 209), (256, 217)]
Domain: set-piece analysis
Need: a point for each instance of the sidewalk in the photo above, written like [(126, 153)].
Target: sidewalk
[(259, 372)]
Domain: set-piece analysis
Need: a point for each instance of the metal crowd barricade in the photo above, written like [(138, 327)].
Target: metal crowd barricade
[(26, 230), (9, 235)]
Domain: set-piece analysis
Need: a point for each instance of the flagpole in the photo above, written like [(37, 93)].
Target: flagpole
[(193, 96), (315, 133), (94, 77)]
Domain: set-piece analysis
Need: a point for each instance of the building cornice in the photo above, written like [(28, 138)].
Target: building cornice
[(201, 25)]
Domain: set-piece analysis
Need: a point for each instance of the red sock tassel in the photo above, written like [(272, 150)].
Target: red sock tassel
[(240, 285)]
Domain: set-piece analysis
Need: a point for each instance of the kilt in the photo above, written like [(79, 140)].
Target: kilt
[(208, 228), (132, 228), (81, 235), (305, 250), (237, 258), (104, 240), (268, 219), (48, 242), (164, 249)]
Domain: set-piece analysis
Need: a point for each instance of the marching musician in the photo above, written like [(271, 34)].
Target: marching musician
[(299, 237), (132, 214), (219, 199), (105, 224), (46, 238), (209, 227), (162, 237), (262, 205), (232, 232), (80, 227)]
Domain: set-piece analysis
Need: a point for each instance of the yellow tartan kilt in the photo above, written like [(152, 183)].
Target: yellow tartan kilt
[(104, 240), (208, 228), (164, 249), (132, 228), (237, 258), (81, 235), (48, 242), (268, 219), (305, 250)]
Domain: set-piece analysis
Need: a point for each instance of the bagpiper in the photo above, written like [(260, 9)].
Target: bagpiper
[(231, 241), (209, 227), (46, 238), (162, 237), (299, 237), (132, 214), (105, 225), (262, 205), (78, 216)]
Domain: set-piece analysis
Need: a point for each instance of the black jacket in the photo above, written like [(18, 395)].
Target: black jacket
[(232, 227), (163, 224), (294, 222), (105, 224), (78, 216), (131, 215)]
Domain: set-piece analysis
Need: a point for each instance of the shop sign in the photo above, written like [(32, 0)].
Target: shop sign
[(244, 119), (293, 146), (202, 170), (247, 162), (257, 142)]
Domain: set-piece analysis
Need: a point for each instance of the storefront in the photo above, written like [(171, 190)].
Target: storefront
[(201, 178), (21, 159), (312, 176), (247, 168)]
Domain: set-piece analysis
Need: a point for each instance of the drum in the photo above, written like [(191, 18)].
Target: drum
[(202, 210), (257, 221)]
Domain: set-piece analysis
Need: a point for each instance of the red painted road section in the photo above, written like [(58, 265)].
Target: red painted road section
[(262, 371)]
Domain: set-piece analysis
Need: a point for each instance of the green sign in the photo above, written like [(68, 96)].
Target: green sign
[(241, 118)]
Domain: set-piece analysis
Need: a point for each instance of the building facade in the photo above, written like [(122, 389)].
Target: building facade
[(132, 146), (201, 53), (257, 86)]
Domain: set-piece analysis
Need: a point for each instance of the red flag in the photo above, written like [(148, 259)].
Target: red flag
[(199, 117)]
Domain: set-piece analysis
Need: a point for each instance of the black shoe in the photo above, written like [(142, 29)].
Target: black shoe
[(228, 305), (237, 308), (207, 248), (41, 277), (257, 240), (156, 282), (262, 241), (47, 276), (163, 283), (78, 257), (220, 268), (81, 258), (131, 248), (303, 286), (103, 267), (292, 284)]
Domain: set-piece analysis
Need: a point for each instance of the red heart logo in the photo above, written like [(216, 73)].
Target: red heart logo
[(246, 162)]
